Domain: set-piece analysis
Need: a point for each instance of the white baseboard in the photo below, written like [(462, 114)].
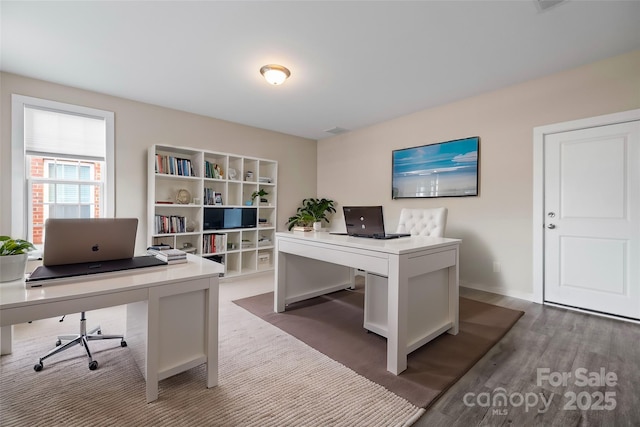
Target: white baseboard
[(527, 296)]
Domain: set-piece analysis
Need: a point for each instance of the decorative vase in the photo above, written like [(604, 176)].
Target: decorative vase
[(12, 267), (317, 226)]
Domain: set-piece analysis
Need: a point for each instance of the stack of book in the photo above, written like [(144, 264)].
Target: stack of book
[(167, 254)]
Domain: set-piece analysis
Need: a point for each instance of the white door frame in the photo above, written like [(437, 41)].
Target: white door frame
[(539, 134)]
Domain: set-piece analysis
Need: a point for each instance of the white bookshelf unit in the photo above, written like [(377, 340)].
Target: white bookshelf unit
[(187, 185)]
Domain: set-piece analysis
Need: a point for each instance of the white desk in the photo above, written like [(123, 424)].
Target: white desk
[(172, 313), (420, 275)]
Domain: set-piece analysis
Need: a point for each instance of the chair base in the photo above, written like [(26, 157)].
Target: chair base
[(83, 339)]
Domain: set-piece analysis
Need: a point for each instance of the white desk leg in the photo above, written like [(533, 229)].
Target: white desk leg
[(454, 296), (397, 309), (153, 341), (280, 291), (6, 335), (212, 316)]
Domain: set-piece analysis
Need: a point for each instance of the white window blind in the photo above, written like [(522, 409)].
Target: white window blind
[(52, 145), (48, 132)]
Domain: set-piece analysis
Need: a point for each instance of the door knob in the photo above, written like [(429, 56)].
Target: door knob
[(551, 226)]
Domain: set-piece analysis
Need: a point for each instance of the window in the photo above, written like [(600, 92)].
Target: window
[(63, 158)]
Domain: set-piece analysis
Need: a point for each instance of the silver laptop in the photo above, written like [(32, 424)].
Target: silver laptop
[(80, 247), (367, 221), (73, 241)]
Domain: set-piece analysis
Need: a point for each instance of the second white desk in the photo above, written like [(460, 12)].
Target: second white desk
[(419, 276)]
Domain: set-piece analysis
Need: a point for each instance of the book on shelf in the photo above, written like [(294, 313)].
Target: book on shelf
[(212, 170), (171, 165), (165, 224), (212, 197), (264, 241), (213, 243)]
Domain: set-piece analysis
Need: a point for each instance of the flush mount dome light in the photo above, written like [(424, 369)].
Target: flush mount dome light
[(275, 74)]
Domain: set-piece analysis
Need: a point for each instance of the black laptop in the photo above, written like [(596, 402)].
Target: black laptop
[(367, 221), (79, 247)]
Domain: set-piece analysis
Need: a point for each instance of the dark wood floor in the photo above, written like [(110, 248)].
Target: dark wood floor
[(563, 342)]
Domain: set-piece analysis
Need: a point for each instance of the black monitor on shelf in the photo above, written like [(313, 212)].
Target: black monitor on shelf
[(219, 218)]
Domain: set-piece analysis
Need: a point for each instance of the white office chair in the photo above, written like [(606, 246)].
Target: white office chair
[(82, 339), (417, 222), (423, 222)]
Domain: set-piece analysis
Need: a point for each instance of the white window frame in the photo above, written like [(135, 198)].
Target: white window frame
[(19, 184)]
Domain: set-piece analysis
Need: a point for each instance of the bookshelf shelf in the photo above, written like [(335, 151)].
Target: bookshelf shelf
[(213, 180)]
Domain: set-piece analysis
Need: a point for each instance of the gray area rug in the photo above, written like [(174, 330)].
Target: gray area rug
[(332, 324), (267, 378)]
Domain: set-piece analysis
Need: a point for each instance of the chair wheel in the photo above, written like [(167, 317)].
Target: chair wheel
[(58, 343), (38, 367), (123, 343), (93, 365)]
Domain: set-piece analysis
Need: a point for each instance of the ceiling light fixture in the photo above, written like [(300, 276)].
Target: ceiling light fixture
[(275, 74)]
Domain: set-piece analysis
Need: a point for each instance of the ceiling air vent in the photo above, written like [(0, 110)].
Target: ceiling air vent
[(546, 4), (337, 130)]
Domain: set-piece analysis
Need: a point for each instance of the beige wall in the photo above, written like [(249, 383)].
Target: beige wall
[(139, 125), (355, 168)]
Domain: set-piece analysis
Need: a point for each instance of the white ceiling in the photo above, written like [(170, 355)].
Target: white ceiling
[(353, 63)]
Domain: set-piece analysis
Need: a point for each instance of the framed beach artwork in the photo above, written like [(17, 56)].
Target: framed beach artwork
[(445, 169)]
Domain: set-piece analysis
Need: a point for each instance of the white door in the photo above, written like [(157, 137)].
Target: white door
[(592, 219)]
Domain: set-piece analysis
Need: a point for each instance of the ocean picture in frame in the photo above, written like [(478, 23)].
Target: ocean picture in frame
[(444, 169)]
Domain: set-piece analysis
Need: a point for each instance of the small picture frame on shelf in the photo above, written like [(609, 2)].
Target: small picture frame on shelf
[(218, 199)]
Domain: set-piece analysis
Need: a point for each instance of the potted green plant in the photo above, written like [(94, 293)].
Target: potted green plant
[(311, 214), (258, 195), (13, 258), (301, 221)]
